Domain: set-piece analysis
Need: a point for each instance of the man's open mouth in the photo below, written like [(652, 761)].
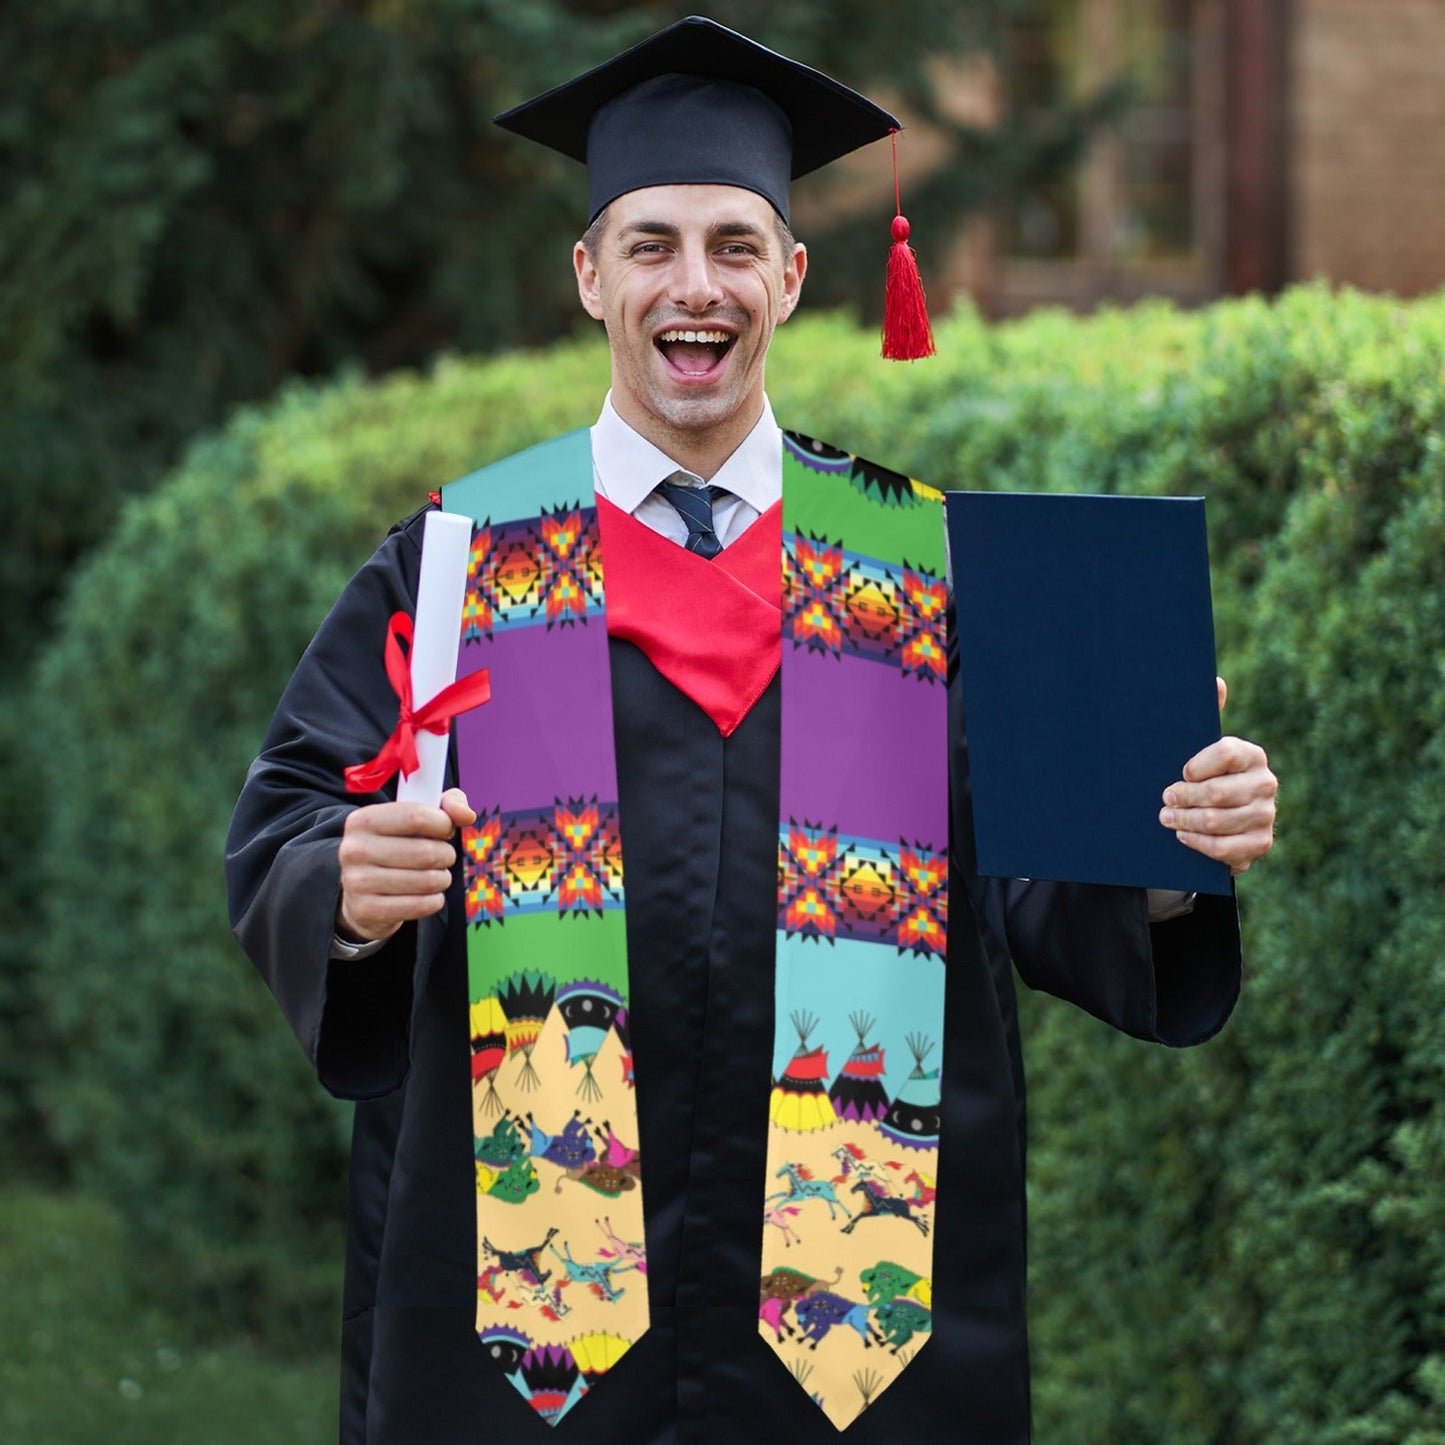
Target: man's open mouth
[(695, 353)]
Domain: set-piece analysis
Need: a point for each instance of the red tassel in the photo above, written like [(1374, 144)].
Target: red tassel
[(907, 336)]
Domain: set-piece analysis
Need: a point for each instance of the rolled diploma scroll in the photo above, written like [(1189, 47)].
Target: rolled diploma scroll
[(445, 546)]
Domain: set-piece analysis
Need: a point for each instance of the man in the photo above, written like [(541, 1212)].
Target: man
[(356, 915)]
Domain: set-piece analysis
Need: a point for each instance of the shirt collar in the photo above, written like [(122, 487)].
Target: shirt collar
[(627, 467)]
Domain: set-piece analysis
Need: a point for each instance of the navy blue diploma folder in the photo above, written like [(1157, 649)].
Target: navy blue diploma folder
[(1086, 653)]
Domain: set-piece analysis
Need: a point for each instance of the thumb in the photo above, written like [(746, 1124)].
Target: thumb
[(454, 804)]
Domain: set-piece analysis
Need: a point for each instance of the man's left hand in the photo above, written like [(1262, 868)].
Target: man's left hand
[(1224, 805)]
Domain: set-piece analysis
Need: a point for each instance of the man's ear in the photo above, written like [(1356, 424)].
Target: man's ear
[(589, 285), (793, 273)]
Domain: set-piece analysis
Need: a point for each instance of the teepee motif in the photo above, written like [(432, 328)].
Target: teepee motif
[(914, 1118), (800, 1100), (858, 1093), (526, 999), (489, 1049), (589, 1009)]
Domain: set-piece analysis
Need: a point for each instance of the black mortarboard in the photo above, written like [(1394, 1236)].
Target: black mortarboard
[(699, 104)]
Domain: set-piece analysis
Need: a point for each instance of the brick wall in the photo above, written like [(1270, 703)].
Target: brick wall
[(1367, 143)]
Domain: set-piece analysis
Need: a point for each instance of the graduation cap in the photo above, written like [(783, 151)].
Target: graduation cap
[(699, 104)]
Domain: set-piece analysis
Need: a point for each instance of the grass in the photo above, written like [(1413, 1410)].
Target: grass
[(81, 1359)]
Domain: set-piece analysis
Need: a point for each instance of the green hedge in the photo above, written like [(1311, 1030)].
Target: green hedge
[(1244, 1244), (1240, 1244)]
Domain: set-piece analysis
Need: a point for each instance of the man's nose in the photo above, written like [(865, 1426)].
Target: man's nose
[(697, 287)]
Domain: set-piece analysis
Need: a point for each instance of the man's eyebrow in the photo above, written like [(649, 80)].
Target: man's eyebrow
[(742, 230), (664, 229)]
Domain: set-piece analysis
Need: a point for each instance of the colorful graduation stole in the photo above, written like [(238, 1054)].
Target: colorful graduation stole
[(845, 1295), (862, 918)]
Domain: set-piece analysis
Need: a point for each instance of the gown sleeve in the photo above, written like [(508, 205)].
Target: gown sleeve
[(283, 875), (1173, 983)]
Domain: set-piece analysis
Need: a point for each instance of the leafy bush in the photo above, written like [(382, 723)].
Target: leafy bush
[(1243, 1244), (1240, 1244)]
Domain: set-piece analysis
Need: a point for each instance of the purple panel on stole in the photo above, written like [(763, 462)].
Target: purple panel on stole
[(530, 744), (854, 759)]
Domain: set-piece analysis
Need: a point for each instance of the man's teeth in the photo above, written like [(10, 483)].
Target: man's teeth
[(718, 338)]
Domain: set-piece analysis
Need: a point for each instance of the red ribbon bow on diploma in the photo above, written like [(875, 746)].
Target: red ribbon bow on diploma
[(399, 750)]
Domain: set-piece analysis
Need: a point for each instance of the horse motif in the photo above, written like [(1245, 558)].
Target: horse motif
[(853, 1161), (546, 1299), (925, 1191), (596, 1275), (777, 1216), (876, 1202), (623, 1253), (526, 1262), (802, 1186)]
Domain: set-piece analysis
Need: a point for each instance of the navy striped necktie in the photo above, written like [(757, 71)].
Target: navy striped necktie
[(694, 505)]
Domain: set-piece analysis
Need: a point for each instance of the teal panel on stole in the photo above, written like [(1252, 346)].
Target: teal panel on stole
[(832, 979), (545, 475)]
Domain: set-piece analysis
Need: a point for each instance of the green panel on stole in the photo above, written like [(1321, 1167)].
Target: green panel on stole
[(545, 941), (864, 523)]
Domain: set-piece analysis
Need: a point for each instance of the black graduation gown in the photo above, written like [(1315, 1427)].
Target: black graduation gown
[(699, 815)]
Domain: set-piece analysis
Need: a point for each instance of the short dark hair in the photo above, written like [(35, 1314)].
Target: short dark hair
[(592, 236)]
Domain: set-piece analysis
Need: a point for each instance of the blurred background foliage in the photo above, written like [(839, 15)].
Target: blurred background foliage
[(197, 202), (233, 240)]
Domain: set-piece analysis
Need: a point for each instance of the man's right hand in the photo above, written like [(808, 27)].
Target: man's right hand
[(396, 862)]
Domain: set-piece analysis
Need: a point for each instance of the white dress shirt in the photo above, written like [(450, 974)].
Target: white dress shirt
[(626, 469)]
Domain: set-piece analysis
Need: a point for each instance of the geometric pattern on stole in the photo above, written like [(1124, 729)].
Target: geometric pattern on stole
[(845, 1299), (561, 1259)]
